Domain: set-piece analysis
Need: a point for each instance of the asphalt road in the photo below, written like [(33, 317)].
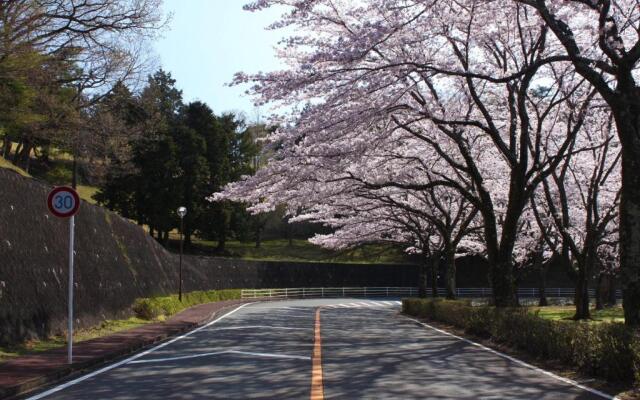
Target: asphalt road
[(282, 350)]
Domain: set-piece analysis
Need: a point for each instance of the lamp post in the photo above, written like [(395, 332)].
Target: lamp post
[(182, 211)]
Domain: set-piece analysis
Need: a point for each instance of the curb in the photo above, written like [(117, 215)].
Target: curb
[(22, 389)]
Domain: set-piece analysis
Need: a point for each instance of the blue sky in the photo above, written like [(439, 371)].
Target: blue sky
[(208, 41)]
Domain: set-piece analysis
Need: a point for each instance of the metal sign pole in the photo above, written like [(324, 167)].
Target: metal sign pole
[(63, 202), (70, 305), (181, 249)]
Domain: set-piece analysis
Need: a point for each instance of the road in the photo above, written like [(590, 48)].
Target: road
[(318, 349)]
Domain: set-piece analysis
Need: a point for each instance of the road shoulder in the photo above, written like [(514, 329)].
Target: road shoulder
[(25, 374), (620, 391)]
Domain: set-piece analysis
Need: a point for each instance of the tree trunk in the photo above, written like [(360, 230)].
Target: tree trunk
[(435, 263), (600, 291), (289, 233), (46, 152), (6, 146), (222, 241), (503, 284), (611, 294), (74, 172), (423, 273), (581, 298), (630, 231), (542, 288), (450, 264), (16, 155), (27, 161)]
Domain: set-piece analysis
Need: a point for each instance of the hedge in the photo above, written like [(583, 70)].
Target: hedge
[(609, 350), (164, 306)]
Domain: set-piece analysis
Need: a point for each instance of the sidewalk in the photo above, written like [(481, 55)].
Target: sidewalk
[(24, 374)]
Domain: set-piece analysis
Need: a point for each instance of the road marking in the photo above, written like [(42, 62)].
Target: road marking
[(247, 353), (317, 389), (365, 304), (232, 328), (519, 362), (128, 360)]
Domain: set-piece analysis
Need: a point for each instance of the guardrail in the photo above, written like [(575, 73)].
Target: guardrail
[(330, 292), (298, 293)]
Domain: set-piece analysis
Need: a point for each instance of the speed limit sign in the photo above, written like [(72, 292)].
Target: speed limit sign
[(63, 202)]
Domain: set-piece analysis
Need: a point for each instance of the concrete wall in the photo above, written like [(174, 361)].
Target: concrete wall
[(117, 262), (235, 273)]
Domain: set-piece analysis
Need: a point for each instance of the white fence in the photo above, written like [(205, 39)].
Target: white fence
[(330, 292), (298, 293)]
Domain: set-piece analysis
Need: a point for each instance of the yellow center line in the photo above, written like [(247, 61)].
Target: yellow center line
[(317, 389)]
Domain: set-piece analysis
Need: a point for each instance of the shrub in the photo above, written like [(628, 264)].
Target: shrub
[(59, 175), (609, 351), (154, 307)]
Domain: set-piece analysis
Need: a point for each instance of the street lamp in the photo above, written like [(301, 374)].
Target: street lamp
[(182, 211)]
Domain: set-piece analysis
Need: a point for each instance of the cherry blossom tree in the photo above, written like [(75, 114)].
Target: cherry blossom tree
[(581, 198), (601, 39), (348, 191), (442, 73)]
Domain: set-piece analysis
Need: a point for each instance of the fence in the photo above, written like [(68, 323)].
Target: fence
[(298, 293), (330, 292)]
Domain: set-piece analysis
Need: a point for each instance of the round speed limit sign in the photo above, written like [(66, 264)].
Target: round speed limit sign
[(63, 202)]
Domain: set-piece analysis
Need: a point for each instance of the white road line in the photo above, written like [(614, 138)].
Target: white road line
[(128, 360), (389, 303), (156, 360), (248, 353), (520, 362), (231, 328), (159, 360), (380, 303), (365, 304)]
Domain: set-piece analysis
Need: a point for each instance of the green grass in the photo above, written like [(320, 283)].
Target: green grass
[(86, 193), (56, 176), (565, 313), (107, 327), (160, 307), (152, 309), (302, 250), (8, 165)]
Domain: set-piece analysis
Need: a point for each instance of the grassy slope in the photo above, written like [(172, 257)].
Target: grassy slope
[(84, 191), (302, 250), (8, 165), (565, 313)]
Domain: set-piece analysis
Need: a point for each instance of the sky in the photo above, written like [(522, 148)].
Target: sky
[(208, 41)]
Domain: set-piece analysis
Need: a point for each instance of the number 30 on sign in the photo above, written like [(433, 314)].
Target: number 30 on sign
[(63, 202)]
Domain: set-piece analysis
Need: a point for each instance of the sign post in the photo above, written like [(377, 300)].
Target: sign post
[(63, 202)]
